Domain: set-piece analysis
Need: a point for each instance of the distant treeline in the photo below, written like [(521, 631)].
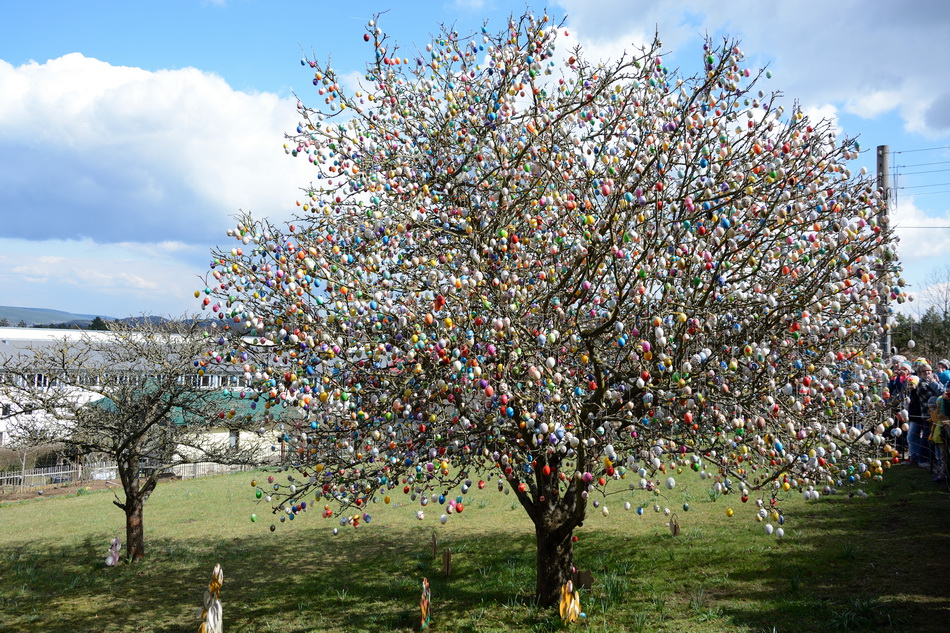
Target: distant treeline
[(99, 323), (95, 324)]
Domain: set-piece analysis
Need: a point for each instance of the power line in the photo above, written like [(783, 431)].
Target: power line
[(930, 171), (937, 184), (939, 162), (925, 149), (930, 193)]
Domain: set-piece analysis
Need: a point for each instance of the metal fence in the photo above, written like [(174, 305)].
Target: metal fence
[(41, 478), (206, 469)]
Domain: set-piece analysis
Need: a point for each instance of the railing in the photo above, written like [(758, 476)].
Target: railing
[(40, 478), (206, 469)]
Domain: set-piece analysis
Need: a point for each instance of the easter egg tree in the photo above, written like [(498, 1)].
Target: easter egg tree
[(515, 263)]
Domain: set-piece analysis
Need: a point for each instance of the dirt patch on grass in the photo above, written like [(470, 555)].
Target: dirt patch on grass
[(12, 493)]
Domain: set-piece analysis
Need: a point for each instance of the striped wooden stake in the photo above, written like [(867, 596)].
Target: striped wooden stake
[(211, 613)]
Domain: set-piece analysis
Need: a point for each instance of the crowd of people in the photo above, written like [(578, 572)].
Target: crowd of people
[(920, 396)]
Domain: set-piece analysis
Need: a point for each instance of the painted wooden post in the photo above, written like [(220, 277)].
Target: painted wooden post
[(211, 613)]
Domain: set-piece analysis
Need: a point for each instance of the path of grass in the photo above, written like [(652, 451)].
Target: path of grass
[(863, 564)]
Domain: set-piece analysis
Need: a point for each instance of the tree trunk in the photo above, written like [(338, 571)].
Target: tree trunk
[(136, 494), (134, 529), (555, 562), (23, 472), (555, 513)]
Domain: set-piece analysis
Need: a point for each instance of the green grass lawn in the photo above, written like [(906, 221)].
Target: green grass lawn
[(846, 564)]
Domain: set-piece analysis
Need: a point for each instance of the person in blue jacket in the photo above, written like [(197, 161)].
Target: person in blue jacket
[(943, 371)]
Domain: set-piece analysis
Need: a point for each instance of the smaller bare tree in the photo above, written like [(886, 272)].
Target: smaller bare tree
[(936, 292), (137, 395), (928, 324), (27, 436)]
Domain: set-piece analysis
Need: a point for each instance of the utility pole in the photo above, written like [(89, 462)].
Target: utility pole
[(884, 185)]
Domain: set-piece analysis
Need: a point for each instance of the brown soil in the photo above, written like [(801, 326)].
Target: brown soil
[(11, 493)]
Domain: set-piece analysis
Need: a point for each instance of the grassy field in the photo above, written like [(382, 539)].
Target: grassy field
[(880, 563)]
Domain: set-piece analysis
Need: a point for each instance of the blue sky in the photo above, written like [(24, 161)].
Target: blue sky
[(131, 133)]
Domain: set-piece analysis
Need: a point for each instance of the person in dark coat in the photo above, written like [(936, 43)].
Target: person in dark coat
[(898, 393), (940, 435), (927, 387)]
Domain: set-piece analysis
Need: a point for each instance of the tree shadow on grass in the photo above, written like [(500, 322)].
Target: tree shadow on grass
[(311, 582), (847, 564), (871, 564)]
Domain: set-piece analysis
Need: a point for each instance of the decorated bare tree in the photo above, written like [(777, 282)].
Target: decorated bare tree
[(515, 261), (134, 394)]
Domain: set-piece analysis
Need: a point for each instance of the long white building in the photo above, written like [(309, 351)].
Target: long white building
[(15, 340)]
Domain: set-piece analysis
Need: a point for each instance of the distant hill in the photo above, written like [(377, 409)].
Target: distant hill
[(34, 316), (140, 320), (44, 316)]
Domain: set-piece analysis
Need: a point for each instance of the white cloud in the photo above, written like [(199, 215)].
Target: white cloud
[(872, 104), (924, 249), (84, 277), (50, 260), (170, 246), (923, 236), (115, 153), (353, 82), (116, 181), (824, 112), (848, 52)]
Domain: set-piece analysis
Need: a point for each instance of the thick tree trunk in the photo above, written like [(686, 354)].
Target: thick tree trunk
[(555, 562), (555, 512), (134, 529)]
